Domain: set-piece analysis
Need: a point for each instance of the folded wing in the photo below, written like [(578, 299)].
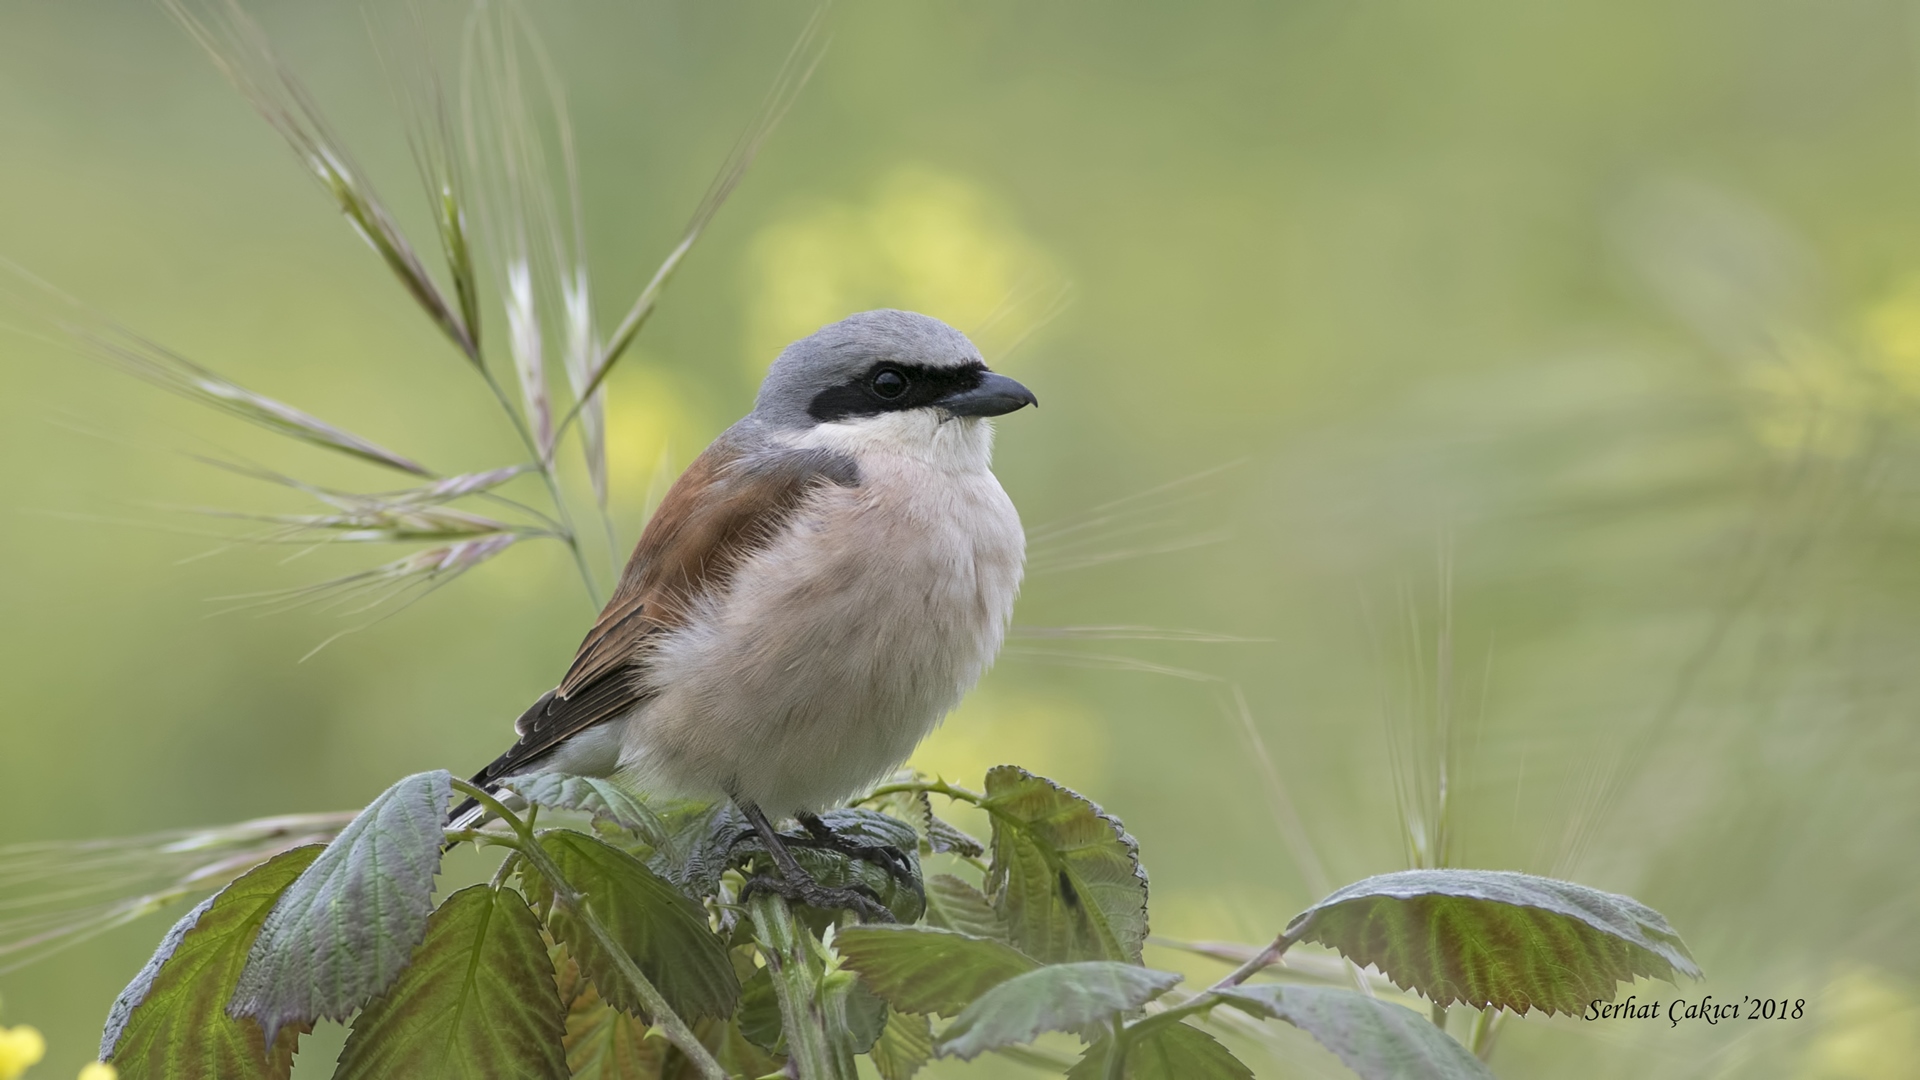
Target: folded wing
[(728, 504)]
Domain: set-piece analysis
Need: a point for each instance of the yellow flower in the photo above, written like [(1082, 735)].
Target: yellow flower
[(20, 1048), (99, 1070)]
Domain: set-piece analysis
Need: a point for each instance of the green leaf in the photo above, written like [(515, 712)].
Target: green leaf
[(342, 932), (1377, 1039), (730, 1048), (1063, 997), (1167, 1052), (759, 1012), (954, 904), (478, 1001), (920, 969), (608, 802), (172, 1021), (1487, 937), (905, 1045), (603, 1043), (663, 930), (944, 836), (866, 1014), (870, 828), (699, 844), (1065, 877)]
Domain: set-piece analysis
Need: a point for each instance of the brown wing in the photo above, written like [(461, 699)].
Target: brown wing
[(721, 509)]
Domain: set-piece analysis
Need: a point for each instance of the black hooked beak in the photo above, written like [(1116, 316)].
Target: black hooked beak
[(995, 395)]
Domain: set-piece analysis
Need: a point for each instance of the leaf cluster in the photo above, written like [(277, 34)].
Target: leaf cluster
[(624, 949)]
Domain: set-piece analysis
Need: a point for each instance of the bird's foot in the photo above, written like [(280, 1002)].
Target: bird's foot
[(804, 889), (894, 861)]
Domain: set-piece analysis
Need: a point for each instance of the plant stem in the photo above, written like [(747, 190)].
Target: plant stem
[(528, 845), (1124, 1033), (571, 534), (813, 1050), (1266, 957), (1486, 1028), (544, 465), (1438, 1014), (551, 524), (1117, 1050), (933, 787)]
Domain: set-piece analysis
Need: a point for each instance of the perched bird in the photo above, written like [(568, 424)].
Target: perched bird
[(813, 595)]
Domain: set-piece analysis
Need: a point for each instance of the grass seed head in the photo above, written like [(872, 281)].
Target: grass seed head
[(241, 51)]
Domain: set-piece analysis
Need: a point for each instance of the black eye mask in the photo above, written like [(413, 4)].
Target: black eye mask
[(864, 396)]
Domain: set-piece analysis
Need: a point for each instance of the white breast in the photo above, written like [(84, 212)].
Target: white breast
[(847, 639)]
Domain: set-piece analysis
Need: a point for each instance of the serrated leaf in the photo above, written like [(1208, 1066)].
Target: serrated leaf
[(1062, 997), (921, 969), (954, 904), (1167, 1052), (172, 1020), (699, 844), (944, 836), (1488, 937), (607, 801), (905, 1046), (603, 1043), (1066, 877), (663, 930), (866, 1014), (344, 930), (477, 1003), (1377, 1039)]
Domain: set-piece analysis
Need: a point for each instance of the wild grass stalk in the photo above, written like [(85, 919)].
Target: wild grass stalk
[(1149, 522), (802, 60), (57, 894), (510, 167), (241, 50)]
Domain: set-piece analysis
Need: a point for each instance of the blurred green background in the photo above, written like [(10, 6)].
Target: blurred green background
[(1565, 359)]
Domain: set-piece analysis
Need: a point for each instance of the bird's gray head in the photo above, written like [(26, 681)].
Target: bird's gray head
[(878, 363)]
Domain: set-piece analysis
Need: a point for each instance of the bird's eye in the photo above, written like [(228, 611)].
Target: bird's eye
[(889, 383)]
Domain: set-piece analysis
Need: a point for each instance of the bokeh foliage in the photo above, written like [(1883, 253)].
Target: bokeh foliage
[(1568, 352)]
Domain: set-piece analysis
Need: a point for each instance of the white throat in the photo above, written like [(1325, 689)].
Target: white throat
[(938, 440)]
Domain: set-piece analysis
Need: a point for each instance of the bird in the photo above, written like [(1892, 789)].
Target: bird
[(813, 595)]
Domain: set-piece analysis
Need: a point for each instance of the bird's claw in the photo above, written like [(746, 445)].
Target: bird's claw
[(856, 898), (887, 857)]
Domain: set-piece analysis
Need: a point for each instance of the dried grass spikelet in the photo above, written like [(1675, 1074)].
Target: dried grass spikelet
[(406, 578), (241, 51), (520, 150), (68, 322), (802, 60), (57, 894), (430, 138), (443, 490), (373, 523)]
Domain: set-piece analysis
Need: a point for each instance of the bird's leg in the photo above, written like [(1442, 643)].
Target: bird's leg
[(887, 857), (795, 883)]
